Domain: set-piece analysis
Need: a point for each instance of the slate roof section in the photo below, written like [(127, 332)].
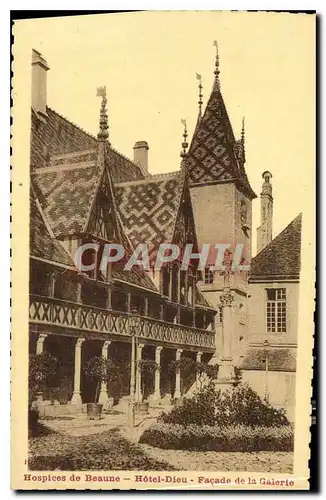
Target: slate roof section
[(149, 208), (42, 244), (282, 257), (58, 136), (212, 154), (280, 359), (67, 187)]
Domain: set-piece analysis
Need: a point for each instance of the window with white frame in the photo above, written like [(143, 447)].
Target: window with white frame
[(276, 310), (209, 276)]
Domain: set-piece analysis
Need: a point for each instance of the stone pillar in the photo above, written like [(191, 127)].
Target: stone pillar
[(226, 370), (103, 397), (40, 343), (157, 388), (76, 397), (177, 392), (198, 360), (139, 395)]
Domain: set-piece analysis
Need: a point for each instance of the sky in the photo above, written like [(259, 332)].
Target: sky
[(148, 62)]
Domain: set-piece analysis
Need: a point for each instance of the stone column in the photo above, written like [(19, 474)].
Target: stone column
[(139, 395), (103, 397), (157, 388), (40, 343), (132, 368), (177, 392), (198, 360), (226, 370), (76, 397)]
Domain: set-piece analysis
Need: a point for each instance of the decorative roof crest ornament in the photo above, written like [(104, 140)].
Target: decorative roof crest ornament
[(103, 134), (243, 131), (200, 95), (185, 143), (217, 68)]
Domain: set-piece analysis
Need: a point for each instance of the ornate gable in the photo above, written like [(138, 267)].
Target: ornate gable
[(102, 223)]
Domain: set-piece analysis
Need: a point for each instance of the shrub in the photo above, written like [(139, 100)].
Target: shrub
[(240, 405), (215, 438), (100, 370), (43, 369)]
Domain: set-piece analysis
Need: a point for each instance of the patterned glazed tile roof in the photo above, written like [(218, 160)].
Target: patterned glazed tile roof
[(213, 153), (58, 136), (42, 244), (281, 258), (67, 189), (279, 359), (149, 208)]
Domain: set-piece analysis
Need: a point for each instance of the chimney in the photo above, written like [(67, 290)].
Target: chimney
[(39, 69), (141, 155), (264, 232)]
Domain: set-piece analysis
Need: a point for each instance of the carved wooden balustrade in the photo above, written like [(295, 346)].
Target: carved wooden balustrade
[(72, 316)]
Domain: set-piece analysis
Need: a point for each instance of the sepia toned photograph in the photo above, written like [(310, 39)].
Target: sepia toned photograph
[(164, 291)]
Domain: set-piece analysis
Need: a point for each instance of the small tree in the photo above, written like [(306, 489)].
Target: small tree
[(147, 369), (43, 368), (100, 370), (206, 372)]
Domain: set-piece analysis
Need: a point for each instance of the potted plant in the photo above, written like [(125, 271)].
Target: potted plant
[(147, 369), (42, 369), (99, 370)]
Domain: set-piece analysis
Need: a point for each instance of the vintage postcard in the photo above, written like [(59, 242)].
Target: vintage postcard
[(163, 250)]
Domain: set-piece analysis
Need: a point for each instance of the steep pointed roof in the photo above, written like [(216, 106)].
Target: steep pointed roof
[(212, 155), (281, 258), (67, 187)]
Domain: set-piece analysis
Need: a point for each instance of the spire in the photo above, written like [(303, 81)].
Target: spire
[(103, 134), (243, 132), (200, 95), (183, 153), (217, 68), (185, 143)]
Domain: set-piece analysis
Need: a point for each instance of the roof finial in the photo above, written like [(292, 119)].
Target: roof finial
[(243, 131), (185, 143), (217, 70), (200, 95), (103, 134)]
